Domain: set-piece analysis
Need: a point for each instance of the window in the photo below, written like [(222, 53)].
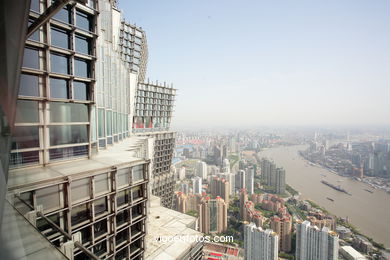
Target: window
[(122, 198), (122, 217), (136, 192), (136, 228), (81, 68), (123, 177), (35, 36), (80, 90), (83, 21), (122, 237), (101, 122), (25, 137), (80, 214), (101, 183), (101, 206), (34, 5), (68, 112), (49, 197), (83, 44), (136, 211), (68, 134), (63, 15), (100, 248), (68, 152), (86, 235), (31, 58), (29, 85), (100, 228), (60, 38), (59, 63), (59, 88), (26, 111), (109, 122), (46, 228), (23, 158), (81, 189)]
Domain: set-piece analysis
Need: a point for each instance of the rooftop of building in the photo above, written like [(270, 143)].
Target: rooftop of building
[(123, 153), (352, 252), (166, 223)]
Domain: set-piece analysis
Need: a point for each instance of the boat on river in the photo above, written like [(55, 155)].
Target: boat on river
[(338, 188)]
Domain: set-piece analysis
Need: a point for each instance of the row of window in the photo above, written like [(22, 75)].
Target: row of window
[(32, 85), (110, 122), (154, 100), (141, 93), (154, 107), (59, 63)]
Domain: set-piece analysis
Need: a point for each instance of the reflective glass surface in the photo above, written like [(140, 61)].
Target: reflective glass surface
[(81, 68), (83, 21), (68, 112), (25, 137), (83, 44), (80, 90), (59, 63), (59, 88), (29, 85), (31, 58), (60, 38), (26, 111), (68, 134)]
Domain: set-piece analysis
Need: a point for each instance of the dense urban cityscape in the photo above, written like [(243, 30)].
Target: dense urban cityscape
[(93, 165)]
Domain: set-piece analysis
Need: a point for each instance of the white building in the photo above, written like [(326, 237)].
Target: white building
[(201, 170), (260, 244), (226, 166), (351, 254), (197, 185), (315, 244)]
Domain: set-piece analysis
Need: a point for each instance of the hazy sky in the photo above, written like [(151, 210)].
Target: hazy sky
[(248, 62)]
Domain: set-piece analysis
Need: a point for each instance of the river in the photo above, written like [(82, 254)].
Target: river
[(369, 212)]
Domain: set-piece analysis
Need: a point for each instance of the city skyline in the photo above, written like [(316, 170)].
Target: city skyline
[(315, 64)]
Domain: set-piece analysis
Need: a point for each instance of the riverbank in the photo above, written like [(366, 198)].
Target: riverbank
[(362, 208)]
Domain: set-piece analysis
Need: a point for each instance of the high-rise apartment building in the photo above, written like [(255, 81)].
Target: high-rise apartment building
[(90, 134), (314, 243), (280, 181), (283, 227), (201, 170), (249, 180), (260, 244), (197, 185), (220, 187), (212, 215)]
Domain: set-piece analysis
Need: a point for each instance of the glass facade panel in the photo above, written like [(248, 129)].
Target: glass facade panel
[(25, 137), (83, 21), (59, 63), (101, 122), (100, 228), (81, 189), (27, 111), (29, 85), (136, 192), (68, 152), (34, 5), (101, 206), (109, 122), (122, 217), (80, 214), (68, 134), (123, 177), (63, 15), (81, 68), (122, 198), (35, 36), (83, 44), (23, 158), (68, 112), (59, 88), (31, 58), (47, 228), (60, 38), (137, 173), (49, 198), (101, 183), (100, 248), (80, 90)]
